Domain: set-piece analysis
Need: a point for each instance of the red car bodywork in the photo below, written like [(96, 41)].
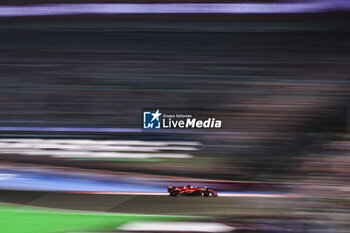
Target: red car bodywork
[(191, 191)]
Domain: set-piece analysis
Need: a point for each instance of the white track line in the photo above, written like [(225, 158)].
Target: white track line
[(219, 194), (176, 227)]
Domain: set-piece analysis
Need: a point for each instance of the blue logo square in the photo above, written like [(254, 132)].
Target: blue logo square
[(152, 120)]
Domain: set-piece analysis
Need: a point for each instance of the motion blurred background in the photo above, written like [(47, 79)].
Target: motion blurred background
[(75, 75)]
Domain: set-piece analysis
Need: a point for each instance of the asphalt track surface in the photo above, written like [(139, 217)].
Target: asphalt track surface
[(141, 204), (136, 204)]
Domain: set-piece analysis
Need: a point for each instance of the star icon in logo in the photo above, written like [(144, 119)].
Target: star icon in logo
[(156, 115)]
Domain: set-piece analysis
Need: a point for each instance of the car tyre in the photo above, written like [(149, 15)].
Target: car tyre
[(174, 193)]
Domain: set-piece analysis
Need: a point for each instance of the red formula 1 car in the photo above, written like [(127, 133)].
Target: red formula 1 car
[(191, 191)]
